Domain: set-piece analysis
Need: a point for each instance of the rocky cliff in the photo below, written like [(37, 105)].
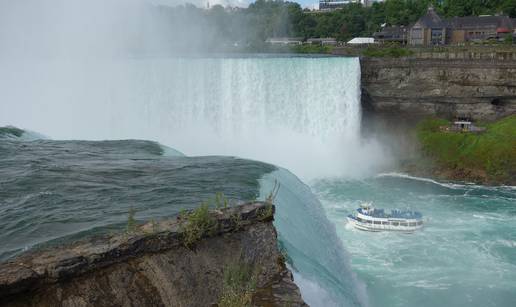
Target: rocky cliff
[(479, 88), (153, 266)]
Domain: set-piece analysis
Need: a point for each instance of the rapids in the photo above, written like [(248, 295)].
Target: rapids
[(297, 113), (465, 255)]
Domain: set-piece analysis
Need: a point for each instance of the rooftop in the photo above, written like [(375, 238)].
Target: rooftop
[(472, 22), (362, 40), (431, 19)]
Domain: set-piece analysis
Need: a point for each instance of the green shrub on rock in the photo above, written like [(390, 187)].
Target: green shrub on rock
[(196, 223), (239, 285)]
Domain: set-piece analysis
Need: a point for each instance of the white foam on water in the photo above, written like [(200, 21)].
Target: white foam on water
[(300, 113), (312, 293)]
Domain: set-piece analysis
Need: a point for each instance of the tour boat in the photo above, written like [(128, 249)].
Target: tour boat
[(371, 219)]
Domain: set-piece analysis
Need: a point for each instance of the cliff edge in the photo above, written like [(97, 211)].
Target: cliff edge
[(482, 89), (213, 258)]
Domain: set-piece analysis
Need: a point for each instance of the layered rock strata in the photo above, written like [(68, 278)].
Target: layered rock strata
[(482, 89), (152, 266)]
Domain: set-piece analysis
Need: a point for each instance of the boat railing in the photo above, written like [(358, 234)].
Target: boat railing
[(403, 223)]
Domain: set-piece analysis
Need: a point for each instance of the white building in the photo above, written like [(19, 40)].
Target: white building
[(334, 4), (327, 5), (285, 40)]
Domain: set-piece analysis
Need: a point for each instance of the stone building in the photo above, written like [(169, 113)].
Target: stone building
[(430, 29), (479, 28), (392, 34), (322, 41)]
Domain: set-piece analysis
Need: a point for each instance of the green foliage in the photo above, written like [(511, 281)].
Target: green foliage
[(273, 193), (236, 220), (509, 40), (267, 212), (239, 285), (492, 152), (310, 48), (131, 222), (196, 223), (221, 201), (391, 52), (245, 30)]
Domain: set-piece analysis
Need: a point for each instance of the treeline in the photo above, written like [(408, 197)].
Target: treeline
[(357, 20), (222, 28)]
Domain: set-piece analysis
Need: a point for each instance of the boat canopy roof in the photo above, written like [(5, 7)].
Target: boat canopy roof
[(398, 214)]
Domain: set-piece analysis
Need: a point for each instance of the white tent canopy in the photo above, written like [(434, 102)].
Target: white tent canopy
[(362, 40)]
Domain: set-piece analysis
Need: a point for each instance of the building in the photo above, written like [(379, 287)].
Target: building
[(322, 41), (334, 4), (479, 28), (284, 40), (393, 34), (430, 29)]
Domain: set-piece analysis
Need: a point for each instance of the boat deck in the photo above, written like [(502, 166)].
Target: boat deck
[(397, 214)]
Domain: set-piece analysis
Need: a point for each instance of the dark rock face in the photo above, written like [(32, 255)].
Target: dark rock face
[(152, 267), (481, 89)]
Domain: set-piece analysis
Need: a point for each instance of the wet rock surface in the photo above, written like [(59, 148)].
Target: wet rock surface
[(152, 266)]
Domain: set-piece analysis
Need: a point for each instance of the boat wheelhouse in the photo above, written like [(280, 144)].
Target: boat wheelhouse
[(371, 219)]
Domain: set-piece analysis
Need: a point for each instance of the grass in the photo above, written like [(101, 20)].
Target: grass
[(312, 48), (221, 201), (131, 222), (267, 212), (387, 52), (239, 285), (197, 223), (492, 153)]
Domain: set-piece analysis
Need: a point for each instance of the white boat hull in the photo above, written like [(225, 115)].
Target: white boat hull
[(377, 228)]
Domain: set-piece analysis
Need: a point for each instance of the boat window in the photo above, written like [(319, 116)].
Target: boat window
[(395, 224), (385, 223), (369, 222), (359, 219), (403, 224), (377, 222), (412, 224)]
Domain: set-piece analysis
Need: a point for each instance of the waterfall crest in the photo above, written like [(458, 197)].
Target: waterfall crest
[(296, 112)]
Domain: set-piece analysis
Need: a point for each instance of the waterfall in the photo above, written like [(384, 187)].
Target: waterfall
[(300, 113), (318, 257), (296, 112)]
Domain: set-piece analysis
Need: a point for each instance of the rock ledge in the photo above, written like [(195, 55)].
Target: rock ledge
[(152, 267)]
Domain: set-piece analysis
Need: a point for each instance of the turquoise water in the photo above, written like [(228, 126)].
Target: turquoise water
[(55, 192), (299, 113), (316, 252), (465, 255)]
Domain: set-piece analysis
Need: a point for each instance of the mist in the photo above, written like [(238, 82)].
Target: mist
[(137, 69)]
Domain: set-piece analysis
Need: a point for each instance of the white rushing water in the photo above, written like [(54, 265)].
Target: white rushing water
[(301, 113)]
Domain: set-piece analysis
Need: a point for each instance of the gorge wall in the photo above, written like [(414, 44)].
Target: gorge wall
[(152, 266), (483, 89)]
